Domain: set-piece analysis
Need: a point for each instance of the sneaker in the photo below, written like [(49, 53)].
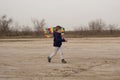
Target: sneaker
[(63, 61), (49, 59)]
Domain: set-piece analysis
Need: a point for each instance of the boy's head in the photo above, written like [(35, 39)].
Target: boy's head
[(58, 29)]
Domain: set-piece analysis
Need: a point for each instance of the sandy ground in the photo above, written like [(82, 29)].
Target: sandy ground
[(88, 59)]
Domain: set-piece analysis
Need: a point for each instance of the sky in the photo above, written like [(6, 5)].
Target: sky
[(67, 13)]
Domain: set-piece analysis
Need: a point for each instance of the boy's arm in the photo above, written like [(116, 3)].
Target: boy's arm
[(59, 38), (63, 39)]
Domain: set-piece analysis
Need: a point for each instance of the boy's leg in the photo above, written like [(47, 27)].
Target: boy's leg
[(62, 55), (54, 52)]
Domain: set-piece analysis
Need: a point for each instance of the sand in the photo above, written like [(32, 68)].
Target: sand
[(88, 59)]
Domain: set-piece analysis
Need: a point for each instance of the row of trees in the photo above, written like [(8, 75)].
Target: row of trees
[(96, 27), (8, 29)]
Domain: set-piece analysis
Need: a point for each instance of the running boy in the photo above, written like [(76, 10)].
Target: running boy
[(58, 39)]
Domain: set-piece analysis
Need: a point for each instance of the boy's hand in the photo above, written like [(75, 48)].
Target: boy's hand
[(66, 40)]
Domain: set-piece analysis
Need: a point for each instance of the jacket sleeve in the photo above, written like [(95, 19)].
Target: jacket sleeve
[(63, 40)]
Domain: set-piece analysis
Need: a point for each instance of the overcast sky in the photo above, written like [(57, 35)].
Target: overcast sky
[(67, 13)]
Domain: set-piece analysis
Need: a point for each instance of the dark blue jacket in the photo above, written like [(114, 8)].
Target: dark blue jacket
[(57, 39)]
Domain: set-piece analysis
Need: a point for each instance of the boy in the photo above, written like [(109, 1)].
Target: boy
[(58, 39)]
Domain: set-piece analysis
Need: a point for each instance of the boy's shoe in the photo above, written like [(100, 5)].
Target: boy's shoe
[(49, 59), (63, 61)]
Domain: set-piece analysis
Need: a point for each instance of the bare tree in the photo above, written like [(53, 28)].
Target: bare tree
[(39, 25), (97, 25), (112, 28), (4, 24), (26, 30), (78, 29), (15, 27)]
